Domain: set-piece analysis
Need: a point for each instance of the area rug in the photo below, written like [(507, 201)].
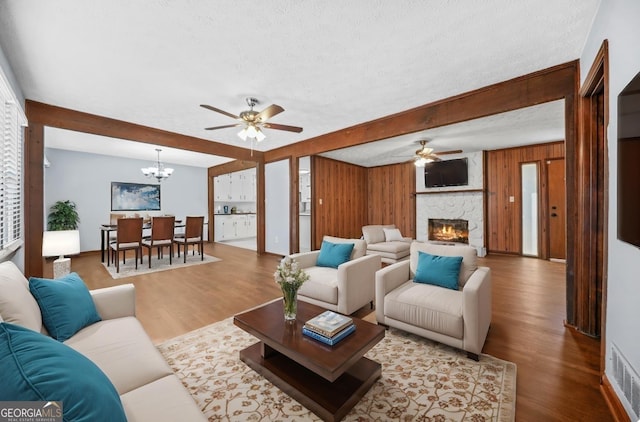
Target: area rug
[(421, 381), (129, 268)]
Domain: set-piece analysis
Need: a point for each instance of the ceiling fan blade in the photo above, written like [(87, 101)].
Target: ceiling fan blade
[(283, 127), (268, 113), (221, 127), (457, 151), (217, 110)]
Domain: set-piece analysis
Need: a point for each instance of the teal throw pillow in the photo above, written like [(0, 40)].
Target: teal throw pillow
[(38, 368), (65, 303), (438, 270), (334, 254)]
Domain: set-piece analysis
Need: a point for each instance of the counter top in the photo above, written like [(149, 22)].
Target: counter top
[(236, 213)]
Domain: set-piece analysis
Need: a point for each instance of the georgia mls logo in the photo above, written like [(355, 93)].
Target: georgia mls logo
[(31, 411)]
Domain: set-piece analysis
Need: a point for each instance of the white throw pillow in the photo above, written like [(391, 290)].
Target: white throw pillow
[(392, 234)]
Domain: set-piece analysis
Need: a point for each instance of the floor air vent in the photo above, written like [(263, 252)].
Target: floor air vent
[(626, 379)]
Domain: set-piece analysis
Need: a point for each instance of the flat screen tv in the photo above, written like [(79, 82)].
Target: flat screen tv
[(446, 173), (628, 159), (134, 197)]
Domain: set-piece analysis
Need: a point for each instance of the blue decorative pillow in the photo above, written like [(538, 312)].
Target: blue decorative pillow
[(334, 254), (65, 303), (38, 368), (438, 270)]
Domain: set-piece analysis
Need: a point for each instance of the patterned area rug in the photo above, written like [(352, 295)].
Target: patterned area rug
[(129, 268), (421, 381)]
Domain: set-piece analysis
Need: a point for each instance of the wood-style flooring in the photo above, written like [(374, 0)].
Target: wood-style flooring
[(558, 368)]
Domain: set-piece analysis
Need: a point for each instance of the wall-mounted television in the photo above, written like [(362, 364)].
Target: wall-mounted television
[(446, 173), (134, 197), (628, 159)]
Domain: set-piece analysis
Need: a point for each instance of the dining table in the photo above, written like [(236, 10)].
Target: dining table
[(107, 229)]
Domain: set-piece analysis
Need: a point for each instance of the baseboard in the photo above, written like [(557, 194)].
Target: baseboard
[(615, 405)]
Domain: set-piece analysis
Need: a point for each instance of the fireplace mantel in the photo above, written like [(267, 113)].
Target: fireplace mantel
[(447, 191)]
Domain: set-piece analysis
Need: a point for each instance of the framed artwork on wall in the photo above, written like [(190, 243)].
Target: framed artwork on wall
[(134, 197)]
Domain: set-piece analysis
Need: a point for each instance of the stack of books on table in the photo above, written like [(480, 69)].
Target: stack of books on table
[(329, 327)]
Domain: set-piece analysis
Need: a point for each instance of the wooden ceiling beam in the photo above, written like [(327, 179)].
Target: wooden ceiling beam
[(64, 118)]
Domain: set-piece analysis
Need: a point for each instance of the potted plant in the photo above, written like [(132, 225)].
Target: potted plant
[(63, 216)]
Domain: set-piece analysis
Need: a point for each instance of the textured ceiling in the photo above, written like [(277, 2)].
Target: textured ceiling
[(329, 64)]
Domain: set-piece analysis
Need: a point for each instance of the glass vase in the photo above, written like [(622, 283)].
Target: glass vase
[(290, 299)]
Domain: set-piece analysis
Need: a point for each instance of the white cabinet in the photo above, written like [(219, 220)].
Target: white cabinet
[(224, 228), (218, 228), (252, 224), (234, 226), (248, 185), (236, 186), (305, 232), (222, 187), (239, 186), (305, 187)]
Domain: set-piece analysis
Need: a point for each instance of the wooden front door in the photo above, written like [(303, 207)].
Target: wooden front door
[(557, 222)]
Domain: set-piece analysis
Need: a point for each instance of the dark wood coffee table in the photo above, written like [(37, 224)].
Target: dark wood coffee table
[(328, 380)]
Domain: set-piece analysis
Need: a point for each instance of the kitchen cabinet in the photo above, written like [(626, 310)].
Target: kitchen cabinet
[(239, 186), (305, 187), (234, 226), (222, 187)]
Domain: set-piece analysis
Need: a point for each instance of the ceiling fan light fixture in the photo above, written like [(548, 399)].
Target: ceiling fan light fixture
[(251, 131), (243, 134)]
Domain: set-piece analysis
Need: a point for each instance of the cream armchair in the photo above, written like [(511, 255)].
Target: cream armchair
[(345, 289), (458, 318)]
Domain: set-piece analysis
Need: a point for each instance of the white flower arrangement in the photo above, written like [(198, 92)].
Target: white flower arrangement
[(290, 277)]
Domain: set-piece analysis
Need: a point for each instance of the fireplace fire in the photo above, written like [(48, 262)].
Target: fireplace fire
[(448, 230)]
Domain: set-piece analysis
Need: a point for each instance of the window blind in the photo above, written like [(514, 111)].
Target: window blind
[(12, 122)]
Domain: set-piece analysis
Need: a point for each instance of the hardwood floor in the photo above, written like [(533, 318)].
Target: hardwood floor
[(557, 367)]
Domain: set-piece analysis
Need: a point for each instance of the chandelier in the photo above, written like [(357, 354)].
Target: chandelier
[(157, 170), (425, 155)]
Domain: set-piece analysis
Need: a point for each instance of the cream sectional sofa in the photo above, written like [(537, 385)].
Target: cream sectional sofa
[(118, 345), (390, 251)]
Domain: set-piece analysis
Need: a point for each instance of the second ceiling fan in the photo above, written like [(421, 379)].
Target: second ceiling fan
[(253, 121), (427, 155)]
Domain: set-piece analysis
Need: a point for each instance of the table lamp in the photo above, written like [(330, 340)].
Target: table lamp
[(61, 243)]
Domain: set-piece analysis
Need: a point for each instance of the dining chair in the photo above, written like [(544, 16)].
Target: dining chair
[(113, 221), (128, 237), (162, 229), (192, 236)]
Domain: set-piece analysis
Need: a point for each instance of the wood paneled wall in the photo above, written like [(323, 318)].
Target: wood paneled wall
[(340, 199), (504, 221), (391, 196)]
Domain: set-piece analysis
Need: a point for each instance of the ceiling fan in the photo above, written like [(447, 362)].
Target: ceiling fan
[(253, 121), (427, 155)]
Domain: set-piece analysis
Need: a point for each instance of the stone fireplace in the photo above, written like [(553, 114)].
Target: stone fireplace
[(454, 203), (448, 230)]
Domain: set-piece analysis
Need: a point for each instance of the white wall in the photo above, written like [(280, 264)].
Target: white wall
[(86, 180), (619, 22), (276, 190)]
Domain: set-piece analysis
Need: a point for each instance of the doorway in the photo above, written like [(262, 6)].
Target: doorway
[(556, 201), (304, 206)]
